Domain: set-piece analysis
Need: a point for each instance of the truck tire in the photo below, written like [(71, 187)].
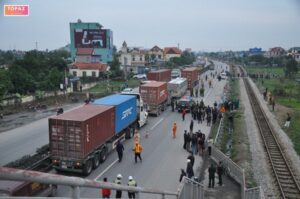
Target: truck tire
[(103, 155), (87, 168), (96, 161)]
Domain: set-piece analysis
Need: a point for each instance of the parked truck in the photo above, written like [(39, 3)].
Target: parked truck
[(81, 139), (155, 96), (177, 87), (162, 75)]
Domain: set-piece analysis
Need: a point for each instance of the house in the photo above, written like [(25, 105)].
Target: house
[(155, 54), (295, 53), (171, 52), (87, 69), (132, 59), (275, 52), (87, 64)]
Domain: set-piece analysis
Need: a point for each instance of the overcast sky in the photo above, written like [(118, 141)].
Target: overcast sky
[(206, 25)]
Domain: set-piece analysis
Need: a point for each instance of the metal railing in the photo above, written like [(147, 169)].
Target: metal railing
[(190, 189), (74, 182), (237, 173)]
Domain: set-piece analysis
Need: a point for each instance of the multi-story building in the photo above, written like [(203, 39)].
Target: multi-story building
[(92, 36), (133, 59), (275, 52), (295, 53), (155, 54), (87, 64), (171, 52)]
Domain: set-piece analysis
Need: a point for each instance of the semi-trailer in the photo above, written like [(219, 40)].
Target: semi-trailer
[(177, 87), (82, 138), (155, 96), (162, 75)]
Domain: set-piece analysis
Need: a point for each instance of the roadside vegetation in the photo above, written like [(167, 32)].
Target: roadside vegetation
[(286, 93), (233, 138)]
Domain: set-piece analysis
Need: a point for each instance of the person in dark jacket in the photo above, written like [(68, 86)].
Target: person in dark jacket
[(211, 175), (119, 182), (185, 138), (188, 142), (189, 169), (183, 173), (120, 149), (191, 126), (220, 171)]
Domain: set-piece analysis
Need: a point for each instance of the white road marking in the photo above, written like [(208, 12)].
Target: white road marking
[(157, 123), (107, 168)]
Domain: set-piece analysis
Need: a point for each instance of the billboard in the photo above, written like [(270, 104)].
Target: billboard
[(90, 38)]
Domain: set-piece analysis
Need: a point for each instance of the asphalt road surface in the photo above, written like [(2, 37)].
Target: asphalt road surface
[(163, 156)]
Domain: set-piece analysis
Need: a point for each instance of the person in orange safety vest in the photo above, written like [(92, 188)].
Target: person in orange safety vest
[(137, 152), (174, 130)]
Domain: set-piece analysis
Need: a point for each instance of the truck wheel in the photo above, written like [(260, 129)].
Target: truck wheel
[(87, 168), (103, 156), (96, 161)]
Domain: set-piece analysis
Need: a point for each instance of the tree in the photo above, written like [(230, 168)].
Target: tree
[(291, 67), (22, 81), (115, 66), (5, 83)]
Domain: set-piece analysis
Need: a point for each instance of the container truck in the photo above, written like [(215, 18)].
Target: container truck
[(177, 87), (191, 74), (81, 139), (163, 75), (155, 96)]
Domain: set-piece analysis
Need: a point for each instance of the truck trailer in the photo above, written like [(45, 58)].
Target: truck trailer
[(177, 87), (155, 96), (162, 75), (81, 139)]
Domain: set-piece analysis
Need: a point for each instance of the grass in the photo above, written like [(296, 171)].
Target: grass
[(263, 69), (105, 87), (286, 93)]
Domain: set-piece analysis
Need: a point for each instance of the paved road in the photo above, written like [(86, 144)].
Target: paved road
[(163, 156)]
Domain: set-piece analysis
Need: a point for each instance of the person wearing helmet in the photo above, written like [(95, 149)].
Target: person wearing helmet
[(118, 181), (189, 169), (131, 183)]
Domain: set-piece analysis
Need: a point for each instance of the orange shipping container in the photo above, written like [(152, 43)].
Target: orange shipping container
[(163, 75), (191, 74), (154, 93)]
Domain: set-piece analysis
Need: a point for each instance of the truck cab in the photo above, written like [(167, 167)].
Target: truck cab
[(141, 108)]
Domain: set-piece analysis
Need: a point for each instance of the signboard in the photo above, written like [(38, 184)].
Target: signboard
[(90, 38), (16, 10)]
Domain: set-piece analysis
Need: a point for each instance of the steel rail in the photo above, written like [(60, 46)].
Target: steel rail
[(287, 183)]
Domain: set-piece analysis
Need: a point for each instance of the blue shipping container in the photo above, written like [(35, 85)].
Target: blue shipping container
[(125, 106)]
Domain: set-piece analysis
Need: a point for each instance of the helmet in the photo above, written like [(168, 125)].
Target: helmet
[(188, 160), (119, 176), (130, 178)]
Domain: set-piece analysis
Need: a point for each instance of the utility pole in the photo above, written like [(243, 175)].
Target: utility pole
[(36, 45)]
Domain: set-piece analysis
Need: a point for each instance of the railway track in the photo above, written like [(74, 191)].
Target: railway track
[(287, 184)]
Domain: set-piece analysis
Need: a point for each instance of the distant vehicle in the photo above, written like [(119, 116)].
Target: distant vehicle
[(185, 102), (175, 73), (177, 87), (146, 81), (155, 96), (127, 90), (140, 76), (223, 75)]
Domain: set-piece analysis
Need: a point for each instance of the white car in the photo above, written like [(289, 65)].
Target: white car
[(140, 76), (127, 90), (223, 76)]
